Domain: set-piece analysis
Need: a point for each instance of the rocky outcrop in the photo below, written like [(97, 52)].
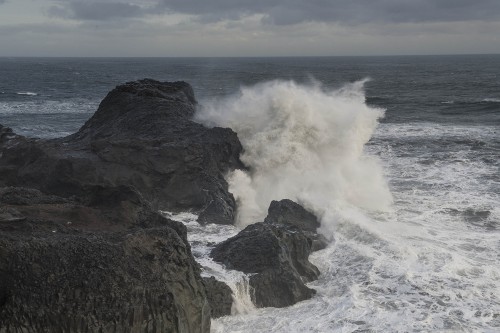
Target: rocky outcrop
[(290, 213), (143, 280), (142, 137), (82, 247), (278, 254), (219, 297)]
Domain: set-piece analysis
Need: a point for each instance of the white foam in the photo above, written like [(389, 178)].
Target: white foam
[(27, 93), (492, 100), (304, 143), (202, 240)]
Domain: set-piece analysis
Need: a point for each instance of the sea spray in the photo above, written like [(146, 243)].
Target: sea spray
[(301, 142)]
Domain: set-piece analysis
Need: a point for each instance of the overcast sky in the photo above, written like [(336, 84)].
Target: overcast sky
[(247, 27)]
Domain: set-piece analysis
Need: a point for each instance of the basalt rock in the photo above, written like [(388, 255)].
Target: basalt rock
[(141, 136), (82, 247), (66, 280), (278, 254), (290, 213), (219, 297)]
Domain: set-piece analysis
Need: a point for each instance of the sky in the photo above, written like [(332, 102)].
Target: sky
[(178, 28)]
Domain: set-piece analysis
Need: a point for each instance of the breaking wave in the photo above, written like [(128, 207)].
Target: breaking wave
[(305, 143)]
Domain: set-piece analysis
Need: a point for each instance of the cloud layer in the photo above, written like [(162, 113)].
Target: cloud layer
[(248, 27), (288, 12)]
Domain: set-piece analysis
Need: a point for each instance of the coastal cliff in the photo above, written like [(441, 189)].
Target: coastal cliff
[(82, 247)]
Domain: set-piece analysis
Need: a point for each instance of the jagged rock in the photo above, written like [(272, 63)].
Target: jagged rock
[(141, 136), (82, 247), (27, 196), (69, 281), (278, 288), (272, 251), (219, 297), (288, 212)]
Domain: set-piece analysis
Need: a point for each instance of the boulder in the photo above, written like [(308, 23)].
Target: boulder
[(290, 213), (220, 297), (272, 251)]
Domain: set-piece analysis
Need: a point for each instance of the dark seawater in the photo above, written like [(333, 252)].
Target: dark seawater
[(417, 223)]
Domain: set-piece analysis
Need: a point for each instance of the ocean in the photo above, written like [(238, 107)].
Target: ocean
[(398, 156)]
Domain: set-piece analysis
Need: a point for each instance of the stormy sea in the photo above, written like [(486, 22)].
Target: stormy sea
[(398, 157)]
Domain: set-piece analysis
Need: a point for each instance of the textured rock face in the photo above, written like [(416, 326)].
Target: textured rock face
[(279, 254), (73, 281), (141, 136), (82, 247), (219, 297), (111, 266), (290, 213)]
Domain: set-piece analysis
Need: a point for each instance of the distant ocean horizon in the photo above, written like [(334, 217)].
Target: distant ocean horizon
[(398, 155)]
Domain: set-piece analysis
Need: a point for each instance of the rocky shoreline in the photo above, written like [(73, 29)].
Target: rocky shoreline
[(84, 249)]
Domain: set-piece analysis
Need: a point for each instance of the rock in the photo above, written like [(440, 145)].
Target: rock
[(219, 297), (278, 288), (288, 212), (272, 251), (69, 281), (82, 246), (8, 214), (27, 196), (142, 137)]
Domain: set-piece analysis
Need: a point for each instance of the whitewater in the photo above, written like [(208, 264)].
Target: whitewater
[(408, 251), (403, 170)]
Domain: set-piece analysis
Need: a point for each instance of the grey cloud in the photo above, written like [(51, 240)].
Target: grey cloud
[(102, 11), (97, 10), (283, 12), (2, 1), (288, 12)]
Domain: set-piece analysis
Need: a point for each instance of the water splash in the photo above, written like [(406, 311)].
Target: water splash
[(302, 142)]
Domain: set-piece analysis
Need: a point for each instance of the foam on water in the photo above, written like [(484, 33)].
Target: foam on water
[(202, 240), (304, 143), (27, 93), (428, 262)]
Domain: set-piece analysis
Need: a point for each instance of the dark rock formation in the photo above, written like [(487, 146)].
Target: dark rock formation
[(73, 281), (82, 247), (219, 297), (279, 254), (290, 213), (141, 136), (278, 288)]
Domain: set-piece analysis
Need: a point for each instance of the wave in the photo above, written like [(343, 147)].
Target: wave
[(302, 142), (491, 100), (26, 93)]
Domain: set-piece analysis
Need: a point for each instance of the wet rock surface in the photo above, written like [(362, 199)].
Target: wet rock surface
[(219, 297), (277, 252), (290, 213)]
